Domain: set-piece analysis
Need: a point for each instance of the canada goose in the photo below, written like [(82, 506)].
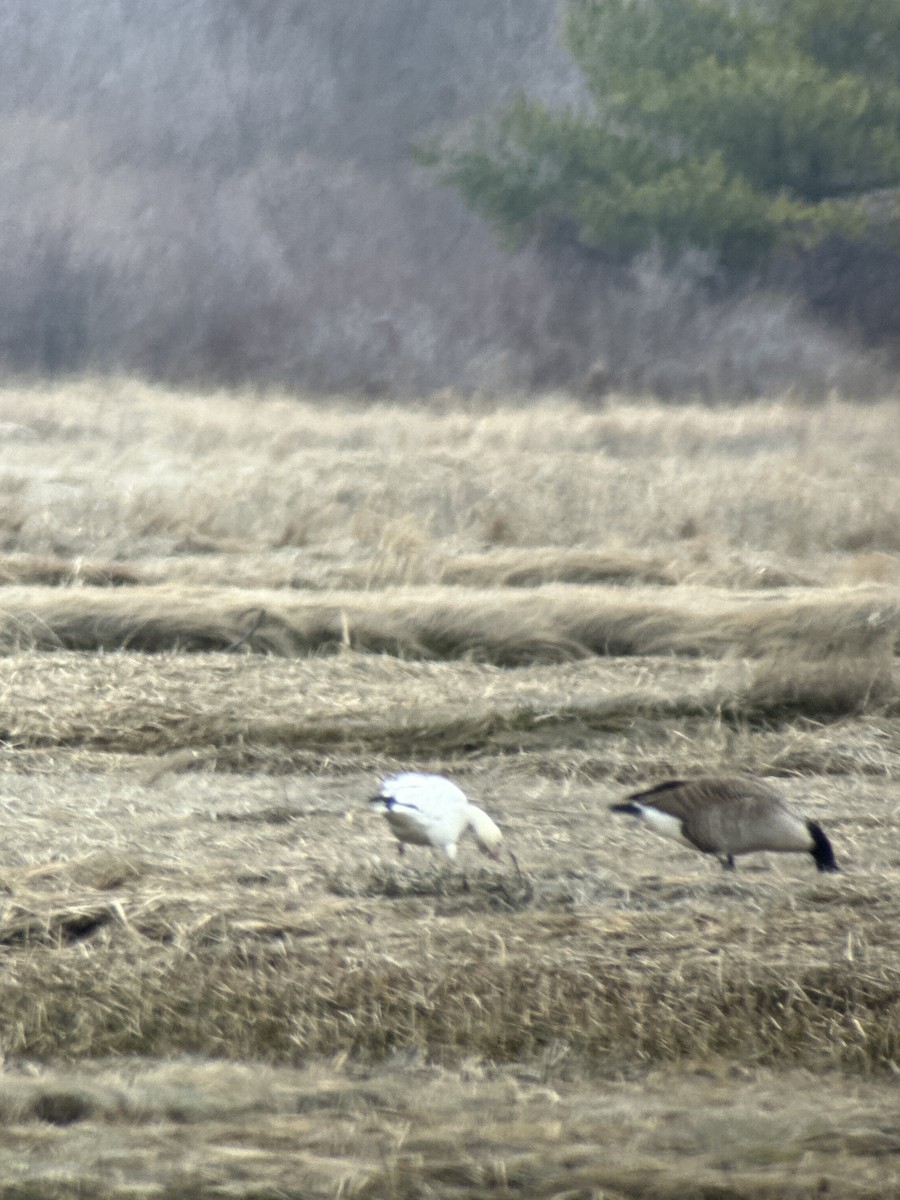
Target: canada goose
[(727, 817), (430, 810)]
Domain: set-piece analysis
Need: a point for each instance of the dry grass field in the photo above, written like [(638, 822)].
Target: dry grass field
[(223, 617)]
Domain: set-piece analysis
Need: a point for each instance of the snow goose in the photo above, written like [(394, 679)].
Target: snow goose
[(430, 810), (726, 817)]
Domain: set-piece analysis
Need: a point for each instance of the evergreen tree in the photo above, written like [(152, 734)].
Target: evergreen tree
[(732, 127)]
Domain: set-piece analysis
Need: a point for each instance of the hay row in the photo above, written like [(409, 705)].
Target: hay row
[(237, 1000), (244, 738), (552, 625), (252, 566), (630, 973), (863, 749), (408, 1129), (500, 568), (623, 719)]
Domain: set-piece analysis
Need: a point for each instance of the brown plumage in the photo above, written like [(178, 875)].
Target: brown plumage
[(726, 817)]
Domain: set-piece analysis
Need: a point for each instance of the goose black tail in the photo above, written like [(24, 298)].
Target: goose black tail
[(822, 853), (633, 810)]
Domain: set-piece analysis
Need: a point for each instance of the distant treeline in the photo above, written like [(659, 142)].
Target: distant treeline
[(222, 191)]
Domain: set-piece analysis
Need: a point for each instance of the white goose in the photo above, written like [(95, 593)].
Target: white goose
[(430, 810)]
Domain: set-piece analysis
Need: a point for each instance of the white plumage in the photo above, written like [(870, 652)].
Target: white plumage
[(430, 810)]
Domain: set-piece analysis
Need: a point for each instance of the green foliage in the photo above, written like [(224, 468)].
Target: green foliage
[(733, 128)]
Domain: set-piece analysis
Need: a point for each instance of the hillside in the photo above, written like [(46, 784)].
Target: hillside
[(221, 192)]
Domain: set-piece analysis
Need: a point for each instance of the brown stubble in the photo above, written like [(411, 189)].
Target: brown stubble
[(224, 617)]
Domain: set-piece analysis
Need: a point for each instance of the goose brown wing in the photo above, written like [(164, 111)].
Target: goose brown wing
[(686, 797), (712, 810)]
